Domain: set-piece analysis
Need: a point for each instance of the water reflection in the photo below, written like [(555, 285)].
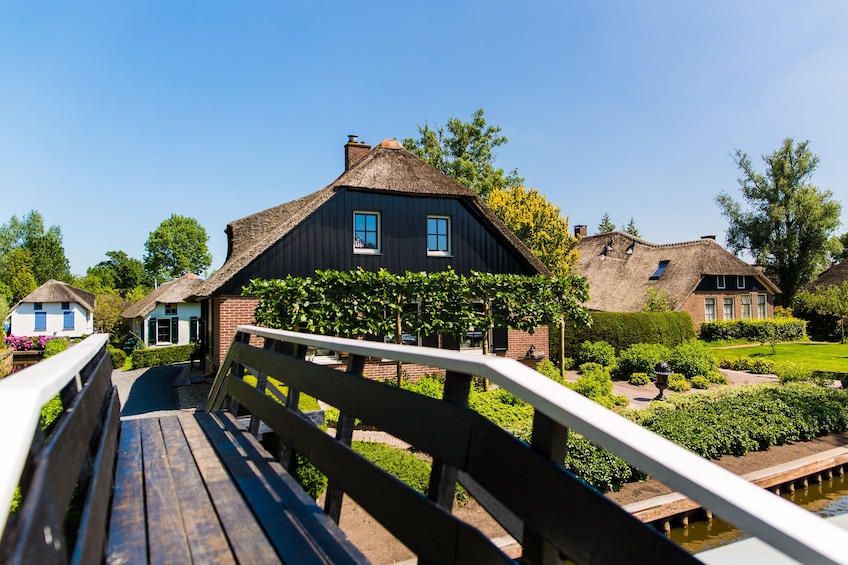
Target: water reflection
[(828, 498)]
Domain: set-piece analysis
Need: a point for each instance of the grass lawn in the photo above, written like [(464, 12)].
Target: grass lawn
[(830, 357)]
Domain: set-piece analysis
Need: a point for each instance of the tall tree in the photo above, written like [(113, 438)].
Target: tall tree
[(44, 257), (126, 272), (631, 228), (606, 224), (465, 152), (539, 224), (178, 246), (789, 224)]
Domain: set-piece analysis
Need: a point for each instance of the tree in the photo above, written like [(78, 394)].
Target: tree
[(789, 224), (606, 224), (465, 152), (631, 228), (126, 272), (29, 251), (538, 223), (839, 250), (831, 301), (178, 246)]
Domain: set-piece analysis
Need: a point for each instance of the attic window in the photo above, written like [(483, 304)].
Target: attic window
[(660, 270)]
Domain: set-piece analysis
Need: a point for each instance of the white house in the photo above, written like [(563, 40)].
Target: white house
[(55, 309), (165, 317)]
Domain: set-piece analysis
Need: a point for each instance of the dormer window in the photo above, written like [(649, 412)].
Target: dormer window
[(740, 281), (720, 281), (660, 270), (170, 309)]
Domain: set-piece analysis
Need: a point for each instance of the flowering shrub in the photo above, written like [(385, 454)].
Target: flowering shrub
[(27, 343)]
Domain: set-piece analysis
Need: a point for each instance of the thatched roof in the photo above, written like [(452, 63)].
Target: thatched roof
[(389, 168), (619, 268), (833, 276), (173, 292), (57, 291)]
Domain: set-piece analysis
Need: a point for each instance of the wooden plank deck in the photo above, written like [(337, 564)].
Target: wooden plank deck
[(195, 488)]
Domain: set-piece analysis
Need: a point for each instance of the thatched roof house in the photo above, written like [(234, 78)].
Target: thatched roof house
[(172, 292), (400, 195), (54, 308), (835, 275), (54, 291), (698, 276), (168, 315)]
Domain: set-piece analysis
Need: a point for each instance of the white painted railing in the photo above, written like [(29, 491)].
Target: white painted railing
[(790, 529), (22, 396)]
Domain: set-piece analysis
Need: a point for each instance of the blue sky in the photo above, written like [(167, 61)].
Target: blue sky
[(114, 115)]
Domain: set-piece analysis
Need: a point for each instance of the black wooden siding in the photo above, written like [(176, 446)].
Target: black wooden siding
[(709, 283), (324, 240)]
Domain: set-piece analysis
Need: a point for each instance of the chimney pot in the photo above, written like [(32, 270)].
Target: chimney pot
[(354, 151)]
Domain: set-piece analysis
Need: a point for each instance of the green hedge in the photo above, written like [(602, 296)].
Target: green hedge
[(763, 331), (623, 329), (156, 356)]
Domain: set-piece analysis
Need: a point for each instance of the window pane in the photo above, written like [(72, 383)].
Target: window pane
[(366, 232), (438, 238)]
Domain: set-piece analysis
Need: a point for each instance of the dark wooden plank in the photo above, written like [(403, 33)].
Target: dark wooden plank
[(167, 541), (568, 513), (127, 542), (206, 538), (290, 518), (408, 515), (91, 536), (246, 537)]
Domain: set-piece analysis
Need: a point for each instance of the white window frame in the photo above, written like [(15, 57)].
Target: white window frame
[(762, 306), (747, 306), (740, 282), (447, 235), (710, 315), (379, 244), (721, 282), (731, 302)]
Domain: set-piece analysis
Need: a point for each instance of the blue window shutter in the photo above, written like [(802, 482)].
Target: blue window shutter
[(151, 331), (41, 321), (68, 319), (175, 330)]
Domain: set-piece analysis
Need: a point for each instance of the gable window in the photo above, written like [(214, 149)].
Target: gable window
[(170, 309), (720, 281), (762, 306), (660, 270), (366, 232), (68, 320), (66, 305), (740, 281), (709, 308), (729, 308), (40, 321), (438, 235), (747, 311), (37, 306)]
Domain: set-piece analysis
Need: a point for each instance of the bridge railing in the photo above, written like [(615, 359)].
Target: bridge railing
[(540, 507)]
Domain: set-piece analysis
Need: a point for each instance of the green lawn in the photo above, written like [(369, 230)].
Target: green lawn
[(830, 357)]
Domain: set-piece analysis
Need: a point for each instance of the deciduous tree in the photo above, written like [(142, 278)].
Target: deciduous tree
[(788, 223), (539, 224), (177, 247), (465, 152), (29, 251)]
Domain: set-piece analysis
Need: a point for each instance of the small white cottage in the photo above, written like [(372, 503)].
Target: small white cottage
[(54, 309), (165, 316)]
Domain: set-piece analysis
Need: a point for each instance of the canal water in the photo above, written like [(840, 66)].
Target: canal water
[(828, 498)]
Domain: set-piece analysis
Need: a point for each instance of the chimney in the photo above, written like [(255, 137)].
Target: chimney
[(580, 230), (354, 151), (712, 237)]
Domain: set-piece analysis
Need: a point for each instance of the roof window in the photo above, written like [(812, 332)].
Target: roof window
[(660, 270)]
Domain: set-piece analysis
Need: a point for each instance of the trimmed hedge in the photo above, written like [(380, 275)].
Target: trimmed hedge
[(157, 356), (623, 329), (781, 329)]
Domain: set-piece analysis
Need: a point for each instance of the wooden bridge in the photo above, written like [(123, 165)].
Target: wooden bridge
[(202, 488)]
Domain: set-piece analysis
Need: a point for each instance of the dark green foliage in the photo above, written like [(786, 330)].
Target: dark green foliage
[(623, 329), (118, 357), (156, 356), (762, 331), (641, 358), (307, 475), (692, 358), (599, 352), (55, 346), (597, 466)]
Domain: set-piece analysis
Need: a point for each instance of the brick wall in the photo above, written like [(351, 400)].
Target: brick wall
[(694, 305), (229, 312)]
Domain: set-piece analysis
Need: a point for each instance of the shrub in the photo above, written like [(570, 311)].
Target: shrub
[(763, 331), (789, 372), (596, 466), (640, 379), (594, 381), (726, 364), (156, 356), (700, 381), (692, 358), (547, 368), (641, 358), (118, 357), (599, 352), (742, 363), (55, 346), (716, 377), (678, 383), (761, 366)]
